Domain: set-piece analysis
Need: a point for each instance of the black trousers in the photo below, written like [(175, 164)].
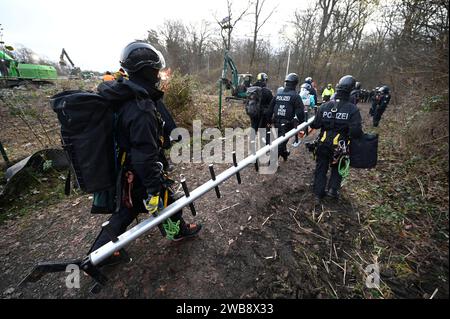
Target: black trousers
[(377, 115), (373, 107), (324, 156), (282, 130), (261, 122), (120, 221), (255, 123)]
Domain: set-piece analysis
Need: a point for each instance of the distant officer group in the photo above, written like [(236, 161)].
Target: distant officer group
[(338, 119)]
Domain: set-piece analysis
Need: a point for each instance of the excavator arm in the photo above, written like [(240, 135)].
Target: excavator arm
[(62, 61), (232, 84), (75, 71), (228, 62)]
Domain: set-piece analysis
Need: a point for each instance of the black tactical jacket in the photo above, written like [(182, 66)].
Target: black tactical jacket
[(339, 117), (286, 105), (139, 129)]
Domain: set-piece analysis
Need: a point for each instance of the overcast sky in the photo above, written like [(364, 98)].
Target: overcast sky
[(93, 32)]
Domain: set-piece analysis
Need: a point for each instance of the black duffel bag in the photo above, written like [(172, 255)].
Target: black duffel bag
[(364, 151)]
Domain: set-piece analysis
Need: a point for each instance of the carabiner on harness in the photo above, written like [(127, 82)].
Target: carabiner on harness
[(343, 146)]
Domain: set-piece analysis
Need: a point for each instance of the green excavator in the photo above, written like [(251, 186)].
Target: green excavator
[(238, 83)]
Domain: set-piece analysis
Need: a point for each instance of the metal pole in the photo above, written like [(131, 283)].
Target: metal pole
[(288, 61), (108, 249), (220, 104), (223, 76)]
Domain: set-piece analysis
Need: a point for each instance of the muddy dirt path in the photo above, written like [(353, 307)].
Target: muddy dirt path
[(262, 239)]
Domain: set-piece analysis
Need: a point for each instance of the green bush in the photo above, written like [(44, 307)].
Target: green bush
[(434, 103), (179, 92)]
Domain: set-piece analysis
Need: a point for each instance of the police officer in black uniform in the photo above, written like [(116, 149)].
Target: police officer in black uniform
[(288, 111), (139, 132), (374, 98), (381, 105), (338, 121), (355, 94), (265, 115)]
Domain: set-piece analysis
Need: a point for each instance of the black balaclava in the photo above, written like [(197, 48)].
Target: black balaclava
[(261, 84), (148, 78), (342, 95), (290, 85)]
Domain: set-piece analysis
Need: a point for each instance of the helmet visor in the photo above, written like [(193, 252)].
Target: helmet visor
[(141, 57)]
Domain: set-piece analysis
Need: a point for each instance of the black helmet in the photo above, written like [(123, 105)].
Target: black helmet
[(308, 80), (262, 77), (292, 78), (384, 89), (346, 84), (136, 55), (358, 85)]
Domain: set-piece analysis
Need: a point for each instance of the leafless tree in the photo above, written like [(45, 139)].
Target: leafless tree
[(258, 6), (228, 24), (174, 36), (407, 42), (198, 37), (24, 55), (327, 9), (303, 44)]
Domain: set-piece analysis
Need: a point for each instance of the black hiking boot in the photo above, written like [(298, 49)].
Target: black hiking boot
[(285, 155), (188, 231), (317, 200), (333, 193)]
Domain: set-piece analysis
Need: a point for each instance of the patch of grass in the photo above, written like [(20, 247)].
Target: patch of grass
[(386, 214), (406, 196), (37, 191), (402, 269)]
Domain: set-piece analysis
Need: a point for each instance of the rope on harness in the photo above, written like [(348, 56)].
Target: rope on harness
[(172, 229), (344, 166)]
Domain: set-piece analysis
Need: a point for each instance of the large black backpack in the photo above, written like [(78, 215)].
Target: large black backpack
[(87, 136), (253, 103)]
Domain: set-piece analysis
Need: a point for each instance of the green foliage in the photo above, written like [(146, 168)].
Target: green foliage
[(179, 92), (386, 213), (48, 164), (433, 103)]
